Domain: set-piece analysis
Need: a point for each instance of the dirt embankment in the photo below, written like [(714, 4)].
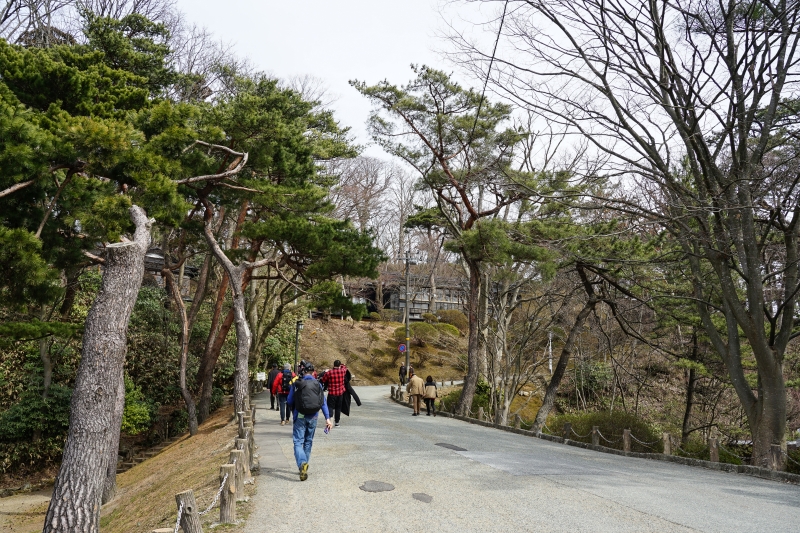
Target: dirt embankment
[(369, 350)]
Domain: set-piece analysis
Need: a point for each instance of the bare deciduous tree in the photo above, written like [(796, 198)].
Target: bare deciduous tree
[(688, 97)]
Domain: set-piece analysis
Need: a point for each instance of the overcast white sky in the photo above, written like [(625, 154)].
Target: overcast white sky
[(336, 41)]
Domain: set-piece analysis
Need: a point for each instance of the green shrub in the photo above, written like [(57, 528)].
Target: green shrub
[(138, 411), (48, 418), (430, 318), (611, 426), (358, 311), (374, 316), (447, 329), (390, 315), (791, 467), (455, 318), (421, 332), (217, 395)]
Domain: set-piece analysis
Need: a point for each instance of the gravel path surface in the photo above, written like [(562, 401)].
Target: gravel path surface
[(499, 482)]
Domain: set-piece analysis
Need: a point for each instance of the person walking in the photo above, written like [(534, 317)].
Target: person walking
[(431, 393), (281, 387), (270, 380), (415, 389), (333, 380), (306, 398), (349, 394), (402, 374)]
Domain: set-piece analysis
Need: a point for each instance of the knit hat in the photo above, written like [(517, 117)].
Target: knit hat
[(287, 366)]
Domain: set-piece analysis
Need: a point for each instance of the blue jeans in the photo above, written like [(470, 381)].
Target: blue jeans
[(303, 437), (282, 404)]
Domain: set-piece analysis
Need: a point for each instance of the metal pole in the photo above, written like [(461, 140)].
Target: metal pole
[(408, 318), (296, 344)]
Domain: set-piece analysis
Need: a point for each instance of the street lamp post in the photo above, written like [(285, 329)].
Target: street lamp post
[(298, 329), (408, 313)]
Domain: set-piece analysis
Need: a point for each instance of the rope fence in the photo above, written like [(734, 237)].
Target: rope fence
[(579, 435), (232, 475), (178, 521), (607, 440)]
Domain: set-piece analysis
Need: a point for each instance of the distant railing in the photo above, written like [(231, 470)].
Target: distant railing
[(776, 458)]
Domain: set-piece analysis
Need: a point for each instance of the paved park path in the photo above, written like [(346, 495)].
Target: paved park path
[(500, 482)]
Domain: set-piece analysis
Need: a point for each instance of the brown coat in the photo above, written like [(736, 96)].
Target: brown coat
[(416, 386)]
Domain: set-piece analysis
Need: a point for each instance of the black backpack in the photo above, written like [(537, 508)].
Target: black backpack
[(286, 383), (308, 397)]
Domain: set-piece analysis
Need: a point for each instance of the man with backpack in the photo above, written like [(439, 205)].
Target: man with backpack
[(281, 388), (306, 399)]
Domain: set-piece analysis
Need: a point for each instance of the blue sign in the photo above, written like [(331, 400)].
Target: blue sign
[(402, 348)]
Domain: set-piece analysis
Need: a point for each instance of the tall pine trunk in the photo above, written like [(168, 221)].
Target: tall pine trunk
[(77, 494), (110, 481), (473, 346)]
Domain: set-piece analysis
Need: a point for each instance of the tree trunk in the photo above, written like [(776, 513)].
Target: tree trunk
[(473, 346), (687, 413), (110, 481), (561, 367), (175, 292), (205, 376), (768, 423), (235, 273), (77, 493)]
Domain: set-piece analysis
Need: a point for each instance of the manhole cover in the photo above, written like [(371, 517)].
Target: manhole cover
[(376, 486), (451, 447), (421, 496)]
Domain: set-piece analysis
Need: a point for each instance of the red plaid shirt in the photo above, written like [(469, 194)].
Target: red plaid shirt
[(334, 379)]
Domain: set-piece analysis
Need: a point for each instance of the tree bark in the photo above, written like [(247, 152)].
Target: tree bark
[(561, 367), (473, 346), (205, 376), (110, 481), (687, 412), (175, 292), (243, 336), (77, 494)]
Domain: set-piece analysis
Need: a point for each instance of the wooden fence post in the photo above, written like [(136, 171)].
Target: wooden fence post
[(393, 391), (451, 382), (253, 415), (667, 443), (713, 450), (626, 440), (190, 520), (251, 446), (775, 457), (237, 456), (517, 422), (240, 414), (567, 431), (227, 497), (400, 395), (480, 413), (596, 435), (241, 444)]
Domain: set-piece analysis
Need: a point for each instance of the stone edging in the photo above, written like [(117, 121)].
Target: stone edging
[(755, 471)]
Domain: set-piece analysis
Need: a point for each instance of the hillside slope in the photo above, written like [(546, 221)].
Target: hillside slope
[(369, 350)]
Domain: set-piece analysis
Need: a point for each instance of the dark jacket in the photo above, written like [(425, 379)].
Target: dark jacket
[(349, 394), (271, 377)]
